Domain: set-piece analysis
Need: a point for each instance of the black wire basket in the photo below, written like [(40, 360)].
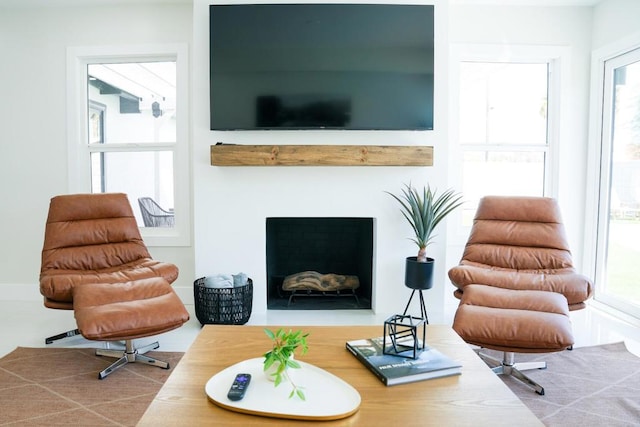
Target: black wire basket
[(223, 306)]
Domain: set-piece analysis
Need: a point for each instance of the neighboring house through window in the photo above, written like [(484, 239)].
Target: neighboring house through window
[(129, 133)]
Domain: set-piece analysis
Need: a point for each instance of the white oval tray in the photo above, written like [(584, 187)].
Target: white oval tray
[(327, 396)]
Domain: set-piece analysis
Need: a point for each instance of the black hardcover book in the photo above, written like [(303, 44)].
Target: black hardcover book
[(392, 370)]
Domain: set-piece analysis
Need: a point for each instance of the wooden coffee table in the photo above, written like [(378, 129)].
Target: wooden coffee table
[(477, 397)]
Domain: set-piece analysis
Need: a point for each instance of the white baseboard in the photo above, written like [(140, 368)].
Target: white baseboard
[(31, 292), (612, 311)]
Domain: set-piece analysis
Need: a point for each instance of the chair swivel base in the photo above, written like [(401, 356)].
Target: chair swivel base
[(507, 366), (129, 355), (71, 333)]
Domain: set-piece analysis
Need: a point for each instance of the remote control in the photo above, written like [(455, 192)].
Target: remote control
[(239, 387)]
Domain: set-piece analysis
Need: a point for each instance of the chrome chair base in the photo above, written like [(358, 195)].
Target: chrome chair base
[(507, 366), (129, 355)]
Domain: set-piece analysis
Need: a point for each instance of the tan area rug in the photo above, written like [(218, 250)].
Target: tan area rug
[(587, 386), (60, 386)]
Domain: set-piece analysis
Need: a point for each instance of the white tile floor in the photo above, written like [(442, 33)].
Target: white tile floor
[(28, 323)]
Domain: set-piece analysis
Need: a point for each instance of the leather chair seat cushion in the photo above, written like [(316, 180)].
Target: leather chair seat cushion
[(122, 311), (58, 285), (521, 321), (576, 287)]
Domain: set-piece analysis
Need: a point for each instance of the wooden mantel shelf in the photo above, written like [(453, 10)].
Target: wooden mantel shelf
[(321, 155)]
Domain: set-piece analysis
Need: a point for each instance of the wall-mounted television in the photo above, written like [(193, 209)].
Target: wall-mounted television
[(321, 66)]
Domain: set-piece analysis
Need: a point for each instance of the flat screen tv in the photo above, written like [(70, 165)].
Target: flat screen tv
[(321, 66)]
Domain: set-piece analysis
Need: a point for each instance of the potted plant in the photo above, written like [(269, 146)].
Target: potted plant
[(279, 359), (424, 210)]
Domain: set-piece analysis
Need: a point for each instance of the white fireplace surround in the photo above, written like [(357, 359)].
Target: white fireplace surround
[(232, 202), (232, 213), (242, 197)]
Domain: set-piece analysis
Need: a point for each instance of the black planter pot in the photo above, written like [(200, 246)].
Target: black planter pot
[(418, 275)]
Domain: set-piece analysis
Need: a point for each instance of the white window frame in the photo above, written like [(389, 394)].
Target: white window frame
[(596, 211), (558, 59), (79, 170)]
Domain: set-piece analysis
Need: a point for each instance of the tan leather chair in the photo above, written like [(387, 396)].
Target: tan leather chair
[(93, 238), (517, 282)]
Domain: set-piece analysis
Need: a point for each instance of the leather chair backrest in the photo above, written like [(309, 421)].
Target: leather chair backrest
[(91, 232), (520, 233)]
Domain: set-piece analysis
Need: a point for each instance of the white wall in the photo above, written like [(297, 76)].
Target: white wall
[(615, 20), (33, 142)]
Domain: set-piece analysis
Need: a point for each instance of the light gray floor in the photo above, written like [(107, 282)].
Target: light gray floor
[(27, 323)]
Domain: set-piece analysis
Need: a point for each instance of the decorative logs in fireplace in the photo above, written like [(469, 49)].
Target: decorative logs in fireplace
[(312, 280), (312, 283)]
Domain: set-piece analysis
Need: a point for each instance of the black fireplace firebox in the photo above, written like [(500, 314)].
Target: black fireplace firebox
[(327, 245)]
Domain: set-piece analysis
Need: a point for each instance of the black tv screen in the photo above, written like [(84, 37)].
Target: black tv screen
[(321, 66)]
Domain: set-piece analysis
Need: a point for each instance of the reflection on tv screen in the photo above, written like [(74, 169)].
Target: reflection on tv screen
[(301, 111)]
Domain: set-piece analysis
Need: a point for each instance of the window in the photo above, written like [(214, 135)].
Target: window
[(617, 270), (138, 112), (502, 130), (504, 119), (129, 116)]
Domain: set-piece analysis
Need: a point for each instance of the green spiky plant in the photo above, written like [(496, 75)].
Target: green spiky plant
[(424, 211), (284, 346)]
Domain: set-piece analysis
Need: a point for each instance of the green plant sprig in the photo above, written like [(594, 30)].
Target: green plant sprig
[(284, 346)]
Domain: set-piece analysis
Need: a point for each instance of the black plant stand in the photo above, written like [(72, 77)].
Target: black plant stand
[(418, 276), (403, 330), (423, 308)]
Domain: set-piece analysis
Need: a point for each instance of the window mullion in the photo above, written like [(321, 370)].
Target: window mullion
[(107, 148), (504, 147)]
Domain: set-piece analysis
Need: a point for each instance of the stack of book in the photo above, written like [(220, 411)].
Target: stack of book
[(392, 370)]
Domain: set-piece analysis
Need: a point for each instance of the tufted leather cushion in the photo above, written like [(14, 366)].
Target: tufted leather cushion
[(93, 238), (520, 243), (122, 311), (522, 321)]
